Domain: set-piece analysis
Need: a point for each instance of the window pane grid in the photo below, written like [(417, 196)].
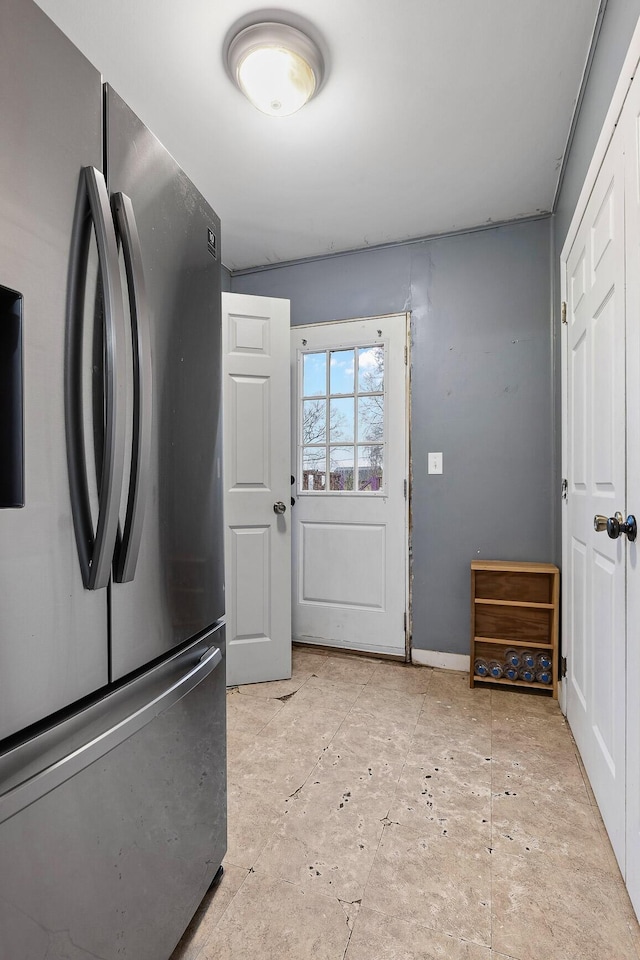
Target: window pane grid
[(343, 444)]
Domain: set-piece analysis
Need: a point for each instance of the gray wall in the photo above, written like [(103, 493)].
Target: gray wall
[(481, 393), (613, 42)]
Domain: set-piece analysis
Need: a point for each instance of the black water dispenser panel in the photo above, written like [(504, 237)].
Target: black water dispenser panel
[(11, 400)]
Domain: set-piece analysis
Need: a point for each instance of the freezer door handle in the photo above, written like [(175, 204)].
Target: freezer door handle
[(95, 551), (128, 543), (56, 773)]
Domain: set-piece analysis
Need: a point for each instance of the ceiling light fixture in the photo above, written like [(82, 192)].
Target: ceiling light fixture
[(277, 67)]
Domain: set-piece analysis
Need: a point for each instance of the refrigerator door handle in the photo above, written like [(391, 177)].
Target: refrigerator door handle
[(128, 544), (95, 551)]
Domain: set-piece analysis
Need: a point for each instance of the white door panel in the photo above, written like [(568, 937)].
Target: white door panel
[(256, 475), (595, 564), (356, 577), (249, 463), (350, 518)]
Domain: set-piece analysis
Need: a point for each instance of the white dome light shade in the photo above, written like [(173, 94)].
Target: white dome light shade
[(276, 81), (277, 67)]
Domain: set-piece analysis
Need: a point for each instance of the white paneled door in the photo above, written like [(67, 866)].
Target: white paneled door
[(594, 564), (349, 433), (602, 456), (630, 123), (257, 499)]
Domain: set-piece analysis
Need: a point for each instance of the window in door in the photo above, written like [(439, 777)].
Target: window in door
[(342, 443)]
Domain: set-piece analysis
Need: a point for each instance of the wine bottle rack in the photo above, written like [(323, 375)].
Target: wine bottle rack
[(514, 606)]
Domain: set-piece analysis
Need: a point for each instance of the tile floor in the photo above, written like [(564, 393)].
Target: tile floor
[(379, 811)]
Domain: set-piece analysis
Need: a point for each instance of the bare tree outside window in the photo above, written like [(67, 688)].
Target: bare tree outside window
[(314, 431), (371, 414), (314, 422), (339, 453)]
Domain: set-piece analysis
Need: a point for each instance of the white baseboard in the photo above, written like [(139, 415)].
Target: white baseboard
[(435, 658)]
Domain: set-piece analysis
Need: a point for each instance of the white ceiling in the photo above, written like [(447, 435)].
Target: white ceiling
[(436, 115)]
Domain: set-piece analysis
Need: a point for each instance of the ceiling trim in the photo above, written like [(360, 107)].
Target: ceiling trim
[(578, 104), (261, 268)]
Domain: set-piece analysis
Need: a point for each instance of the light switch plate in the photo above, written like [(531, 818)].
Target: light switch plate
[(434, 462)]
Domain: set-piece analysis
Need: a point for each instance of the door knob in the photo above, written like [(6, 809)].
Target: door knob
[(610, 524), (600, 523), (279, 507), (616, 525)]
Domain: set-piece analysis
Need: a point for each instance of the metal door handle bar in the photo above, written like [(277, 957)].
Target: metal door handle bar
[(128, 545), (95, 551), (42, 782)]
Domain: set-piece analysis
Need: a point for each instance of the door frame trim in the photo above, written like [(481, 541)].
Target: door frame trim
[(408, 512)]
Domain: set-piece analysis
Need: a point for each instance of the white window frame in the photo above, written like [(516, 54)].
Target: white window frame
[(300, 492)]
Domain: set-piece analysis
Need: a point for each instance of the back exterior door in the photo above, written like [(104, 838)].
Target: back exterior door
[(175, 586), (350, 450), (53, 632)]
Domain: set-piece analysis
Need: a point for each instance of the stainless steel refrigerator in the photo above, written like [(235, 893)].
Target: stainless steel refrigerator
[(112, 686)]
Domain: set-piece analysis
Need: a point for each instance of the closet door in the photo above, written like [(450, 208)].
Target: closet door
[(594, 564), (630, 123)]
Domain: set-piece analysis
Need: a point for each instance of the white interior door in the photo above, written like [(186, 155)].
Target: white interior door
[(350, 549), (630, 123), (594, 565), (256, 405)]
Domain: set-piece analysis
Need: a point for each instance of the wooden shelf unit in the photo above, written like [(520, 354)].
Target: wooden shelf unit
[(514, 605)]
